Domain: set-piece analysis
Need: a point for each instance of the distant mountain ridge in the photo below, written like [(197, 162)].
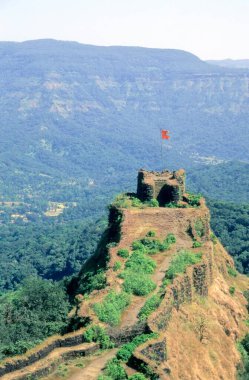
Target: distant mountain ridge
[(75, 114), (231, 63)]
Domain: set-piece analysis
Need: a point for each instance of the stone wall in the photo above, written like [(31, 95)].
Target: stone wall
[(196, 280), (126, 334), (50, 367), (41, 351)]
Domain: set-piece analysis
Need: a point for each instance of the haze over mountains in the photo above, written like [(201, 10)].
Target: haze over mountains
[(74, 115), (231, 63)]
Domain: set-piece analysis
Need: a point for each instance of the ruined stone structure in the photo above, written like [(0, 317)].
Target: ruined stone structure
[(164, 186)]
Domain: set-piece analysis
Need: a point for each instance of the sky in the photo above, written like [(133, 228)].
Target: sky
[(211, 29)]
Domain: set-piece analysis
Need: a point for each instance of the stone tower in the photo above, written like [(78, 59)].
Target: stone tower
[(164, 186)]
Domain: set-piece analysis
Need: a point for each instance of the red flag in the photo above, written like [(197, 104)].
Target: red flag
[(164, 134)]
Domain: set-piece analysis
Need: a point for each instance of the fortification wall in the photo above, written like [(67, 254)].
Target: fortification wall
[(196, 280), (41, 351)]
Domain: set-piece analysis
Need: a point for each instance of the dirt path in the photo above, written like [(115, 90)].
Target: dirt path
[(94, 368), (129, 317)]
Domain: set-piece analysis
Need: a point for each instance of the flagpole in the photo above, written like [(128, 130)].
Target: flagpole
[(161, 146)]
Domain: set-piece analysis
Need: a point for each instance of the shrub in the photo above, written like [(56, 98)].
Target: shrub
[(151, 234), (126, 350), (170, 239), (180, 262), (197, 244), (152, 246), (135, 202), (140, 339), (171, 205), (176, 205), (232, 290), (138, 284), (98, 281), (166, 282), (139, 262), (97, 333), (126, 201), (153, 203), (137, 376), (117, 265), (123, 253), (243, 348), (232, 272), (122, 200), (199, 228), (150, 305), (90, 281), (115, 370), (137, 245), (110, 309), (213, 238), (194, 199)]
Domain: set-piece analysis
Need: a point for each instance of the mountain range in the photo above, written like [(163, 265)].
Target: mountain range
[(77, 117)]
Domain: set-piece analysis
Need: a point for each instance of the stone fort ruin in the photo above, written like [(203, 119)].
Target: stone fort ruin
[(164, 186)]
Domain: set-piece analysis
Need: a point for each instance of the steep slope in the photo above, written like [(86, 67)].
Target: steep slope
[(163, 288), (200, 337)]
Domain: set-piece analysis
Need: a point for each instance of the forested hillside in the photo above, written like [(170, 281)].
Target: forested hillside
[(226, 182)]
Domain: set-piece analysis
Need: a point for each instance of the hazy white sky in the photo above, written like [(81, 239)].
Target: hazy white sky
[(208, 28)]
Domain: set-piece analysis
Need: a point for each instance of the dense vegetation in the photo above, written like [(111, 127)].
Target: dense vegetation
[(230, 222), (37, 310), (180, 262), (139, 266), (111, 308), (226, 182), (51, 251)]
